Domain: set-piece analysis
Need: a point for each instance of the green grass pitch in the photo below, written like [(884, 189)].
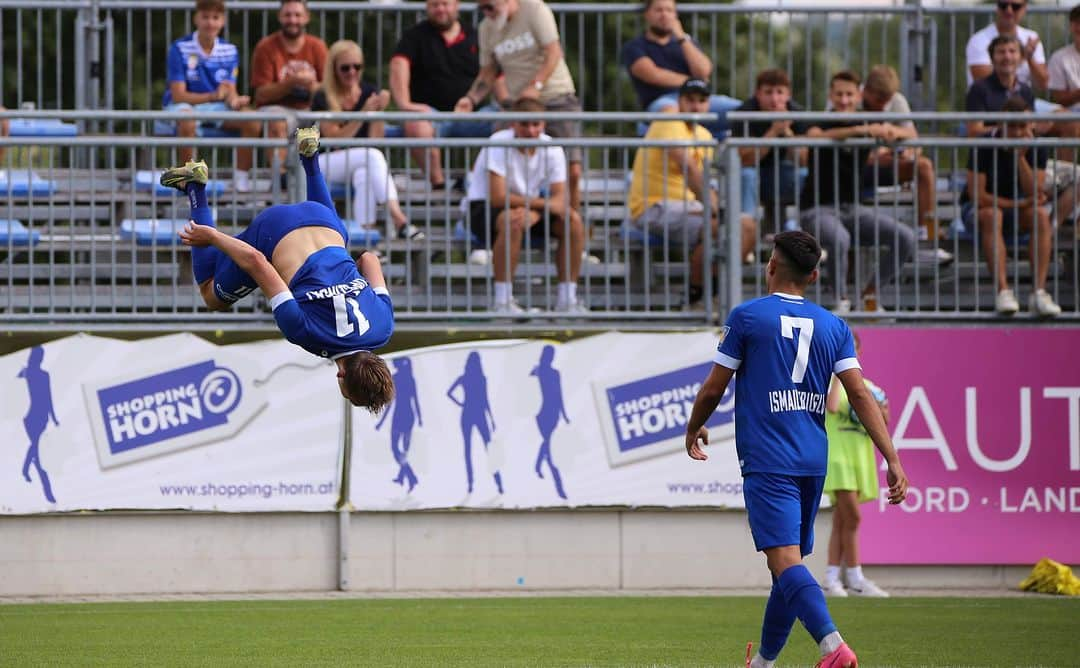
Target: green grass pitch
[(529, 631)]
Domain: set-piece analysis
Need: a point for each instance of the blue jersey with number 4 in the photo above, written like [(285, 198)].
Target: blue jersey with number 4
[(784, 350), (330, 310)]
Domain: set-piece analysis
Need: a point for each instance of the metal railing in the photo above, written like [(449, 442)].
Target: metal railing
[(98, 239), (947, 275), (110, 54)]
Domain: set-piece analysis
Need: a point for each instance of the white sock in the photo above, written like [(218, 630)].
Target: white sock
[(853, 574), (503, 292), (761, 662), (567, 293), (832, 573), (830, 642)]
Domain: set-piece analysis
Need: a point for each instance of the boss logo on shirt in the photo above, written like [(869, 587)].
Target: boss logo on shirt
[(523, 42), (143, 415), (645, 415)]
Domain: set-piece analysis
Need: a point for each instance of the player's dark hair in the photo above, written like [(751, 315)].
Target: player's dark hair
[(845, 75), (799, 253), (527, 105), (772, 77), (368, 381), (1015, 104)]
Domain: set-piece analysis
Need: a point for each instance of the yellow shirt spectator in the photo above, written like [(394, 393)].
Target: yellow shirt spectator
[(656, 176)]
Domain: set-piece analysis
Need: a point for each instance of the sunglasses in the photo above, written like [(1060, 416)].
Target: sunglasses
[(345, 67), (1015, 6), (486, 8)]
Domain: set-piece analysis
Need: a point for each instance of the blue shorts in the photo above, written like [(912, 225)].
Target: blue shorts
[(264, 233), (781, 509), (204, 128)]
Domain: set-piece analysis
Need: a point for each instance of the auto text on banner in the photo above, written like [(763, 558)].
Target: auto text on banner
[(987, 422), (598, 421), (172, 422)]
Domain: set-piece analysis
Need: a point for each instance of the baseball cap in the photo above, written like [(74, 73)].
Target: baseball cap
[(694, 87)]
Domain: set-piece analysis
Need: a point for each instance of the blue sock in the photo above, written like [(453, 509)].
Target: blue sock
[(316, 184), (203, 260), (777, 624), (805, 598)]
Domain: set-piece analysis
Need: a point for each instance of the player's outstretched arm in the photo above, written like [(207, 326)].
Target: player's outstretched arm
[(870, 415), (708, 398), (247, 257), (371, 269)]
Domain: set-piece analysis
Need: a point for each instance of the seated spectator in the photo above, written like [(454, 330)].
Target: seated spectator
[(521, 38), (365, 167), (763, 180), (1064, 68), (515, 190), (201, 76), (433, 66), (665, 202), (1031, 70), (881, 93), (286, 68), (832, 212), (665, 57), (1005, 194)]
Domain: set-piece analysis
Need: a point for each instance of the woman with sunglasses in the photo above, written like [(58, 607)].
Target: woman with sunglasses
[(365, 167)]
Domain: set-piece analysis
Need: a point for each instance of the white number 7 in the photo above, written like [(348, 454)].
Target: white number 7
[(341, 316), (806, 332)]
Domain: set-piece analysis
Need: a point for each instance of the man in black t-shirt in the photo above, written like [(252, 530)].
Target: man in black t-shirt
[(830, 198), (770, 177), (433, 65), (1006, 195)]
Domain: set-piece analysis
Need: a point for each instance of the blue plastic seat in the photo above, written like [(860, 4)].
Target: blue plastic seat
[(146, 181), (152, 231), (461, 234), (360, 235), (23, 183), (43, 127), (14, 233)]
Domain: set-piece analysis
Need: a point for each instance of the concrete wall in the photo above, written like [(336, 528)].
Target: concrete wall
[(124, 553)]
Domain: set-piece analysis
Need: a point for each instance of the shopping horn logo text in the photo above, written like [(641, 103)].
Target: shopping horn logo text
[(177, 408), (646, 416)]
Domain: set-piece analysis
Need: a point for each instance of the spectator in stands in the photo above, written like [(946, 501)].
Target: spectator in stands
[(364, 166), (665, 57), (1031, 70), (433, 66), (881, 92), (517, 190), (831, 198), (520, 38), (287, 67), (1005, 195), (764, 181), (201, 76), (1064, 68), (668, 189)]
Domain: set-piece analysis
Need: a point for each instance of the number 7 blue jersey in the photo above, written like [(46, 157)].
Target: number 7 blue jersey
[(784, 350)]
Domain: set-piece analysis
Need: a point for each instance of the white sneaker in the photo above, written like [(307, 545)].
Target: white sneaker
[(480, 257), (1042, 304), (511, 307), (843, 307), (866, 588), (241, 181), (1005, 303), (572, 308), (834, 588)]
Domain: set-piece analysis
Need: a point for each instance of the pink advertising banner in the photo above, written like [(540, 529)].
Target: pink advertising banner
[(987, 422)]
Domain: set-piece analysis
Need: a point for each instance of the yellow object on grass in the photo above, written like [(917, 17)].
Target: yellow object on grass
[(1050, 577)]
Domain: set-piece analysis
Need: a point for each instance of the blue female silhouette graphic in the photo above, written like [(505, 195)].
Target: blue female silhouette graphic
[(37, 416), (475, 411), (551, 409), (406, 409)]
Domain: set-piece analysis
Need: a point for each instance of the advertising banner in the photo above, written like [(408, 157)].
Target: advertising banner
[(530, 424), (987, 422), (92, 423)]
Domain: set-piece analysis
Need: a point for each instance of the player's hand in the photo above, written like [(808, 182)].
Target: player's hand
[(529, 93), (898, 482), (464, 105), (694, 441), (195, 234), (1029, 48)]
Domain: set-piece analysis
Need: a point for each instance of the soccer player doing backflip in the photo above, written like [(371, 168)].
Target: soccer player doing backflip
[(785, 349), (323, 300)]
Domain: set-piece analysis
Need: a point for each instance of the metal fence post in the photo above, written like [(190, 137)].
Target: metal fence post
[(913, 57), (733, 212)]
